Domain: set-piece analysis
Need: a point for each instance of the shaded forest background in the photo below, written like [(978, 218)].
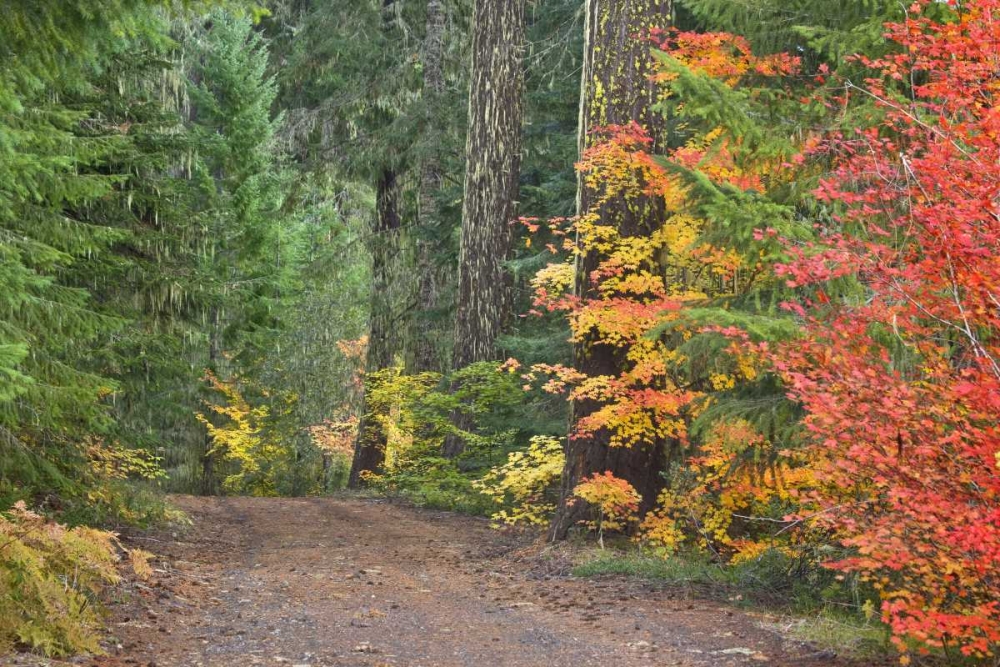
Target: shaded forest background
[(619, 268)]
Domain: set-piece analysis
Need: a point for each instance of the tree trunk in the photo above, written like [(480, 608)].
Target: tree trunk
[(369, 449), (615, 90), (493, 167), (493, 154), (209, 485), (426, 350)]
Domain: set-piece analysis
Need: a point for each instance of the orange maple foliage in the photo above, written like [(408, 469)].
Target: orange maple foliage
[(645, 285), (614, 500), (902, 387)]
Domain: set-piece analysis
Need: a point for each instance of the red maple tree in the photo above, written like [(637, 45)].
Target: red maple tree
[(902, 384)]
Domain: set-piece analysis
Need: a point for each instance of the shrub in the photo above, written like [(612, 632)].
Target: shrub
[(50, 577), (615, 503), (525, 485)]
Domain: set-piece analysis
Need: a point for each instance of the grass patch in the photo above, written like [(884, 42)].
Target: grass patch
[(448, 501), (846, 635), (678, 571), (769, 581), (814, 606)]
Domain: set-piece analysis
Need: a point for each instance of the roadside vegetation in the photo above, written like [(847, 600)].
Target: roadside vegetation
[(726, 306)]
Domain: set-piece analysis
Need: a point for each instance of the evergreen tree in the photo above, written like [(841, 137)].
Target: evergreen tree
[(492, 175), (383, 336), (56, 160), (245, 264), (148, 276), (617, 90), (426, 354), (492, 172), (125, 229), (820, 30)]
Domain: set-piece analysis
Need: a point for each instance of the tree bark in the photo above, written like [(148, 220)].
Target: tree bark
[(369, 449), (426, 350), (615, 90), (209, 484), (493, 167), (493, 154)]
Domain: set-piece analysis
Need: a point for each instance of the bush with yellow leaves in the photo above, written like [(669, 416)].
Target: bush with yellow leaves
[(615, 502), (526, 484), (732, 498), (50, 580)]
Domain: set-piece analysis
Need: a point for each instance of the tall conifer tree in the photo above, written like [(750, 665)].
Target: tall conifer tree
[(493, 160), (425, 355), (616, 90), (384, 340), (492, 173)]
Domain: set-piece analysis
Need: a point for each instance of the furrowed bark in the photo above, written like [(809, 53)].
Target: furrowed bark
[(426, 354), (493, 154), (493, 151), (369, 449), (209, 483), (616, 90)]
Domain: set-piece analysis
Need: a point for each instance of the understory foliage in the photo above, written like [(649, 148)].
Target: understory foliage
[(901, 386), (614, 503), (824, 364), (414, 414), (241, 442), (525, 486), (50, 580)]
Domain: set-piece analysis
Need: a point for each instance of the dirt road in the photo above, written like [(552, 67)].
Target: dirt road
[(369, 583)]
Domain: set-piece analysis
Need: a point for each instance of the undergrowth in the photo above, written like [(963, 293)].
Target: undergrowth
[(51, 581), (436, 484)]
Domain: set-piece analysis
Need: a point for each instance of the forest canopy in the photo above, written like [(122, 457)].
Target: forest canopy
[(709, 281)]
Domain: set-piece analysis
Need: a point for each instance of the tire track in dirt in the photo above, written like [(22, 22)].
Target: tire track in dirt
[(367, 583)]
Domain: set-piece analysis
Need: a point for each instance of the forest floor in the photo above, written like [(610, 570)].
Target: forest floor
[(365, 582)]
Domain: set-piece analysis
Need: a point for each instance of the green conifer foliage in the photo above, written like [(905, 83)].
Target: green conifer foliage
[(823, 30), (52, 152), (140, 228)]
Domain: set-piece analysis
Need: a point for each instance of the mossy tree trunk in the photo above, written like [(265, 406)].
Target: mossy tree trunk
[(493, 154), (369, 449), (426, 354), (209, 481), (615, 90), (493, 167)]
